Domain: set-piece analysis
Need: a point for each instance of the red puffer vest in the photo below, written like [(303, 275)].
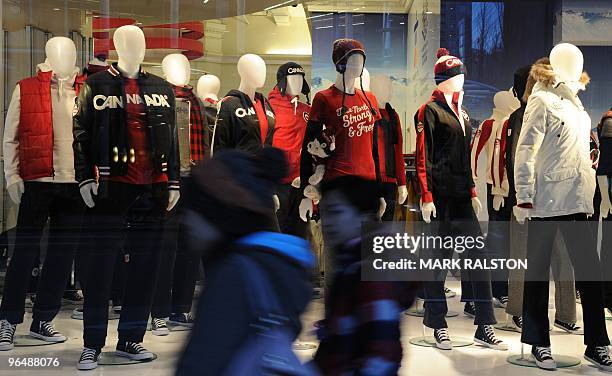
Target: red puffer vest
[(35, 129)]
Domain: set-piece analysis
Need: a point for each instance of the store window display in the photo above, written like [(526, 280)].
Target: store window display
[(390, 146), (176, 277), (555, 185), (347, 113), (40, 176), (245, 119), (126, 162), (290, 127), (448, 194)]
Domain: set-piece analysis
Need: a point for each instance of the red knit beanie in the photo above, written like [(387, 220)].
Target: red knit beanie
[(447, 66), (343, 49)]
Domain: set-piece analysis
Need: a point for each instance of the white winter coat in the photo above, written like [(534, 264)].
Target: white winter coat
[(552, 168)]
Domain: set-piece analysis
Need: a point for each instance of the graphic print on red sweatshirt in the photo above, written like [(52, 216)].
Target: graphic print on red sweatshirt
[(140, 166), (353, 131)]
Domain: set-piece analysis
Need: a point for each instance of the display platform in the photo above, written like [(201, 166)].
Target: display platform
[(563, 361), (428, 341), (24, 340)]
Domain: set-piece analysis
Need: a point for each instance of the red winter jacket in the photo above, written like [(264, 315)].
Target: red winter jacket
[(35, 130), (290, 127)]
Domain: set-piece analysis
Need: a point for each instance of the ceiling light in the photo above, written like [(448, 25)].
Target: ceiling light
[(56, 9), (205, 1)]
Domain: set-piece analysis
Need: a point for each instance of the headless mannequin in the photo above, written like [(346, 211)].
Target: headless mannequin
[(61, 56), (448, 87), (346, 83), (382, 88), (208, 87), (130, 44)]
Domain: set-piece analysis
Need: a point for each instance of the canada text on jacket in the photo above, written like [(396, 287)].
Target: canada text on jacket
[(102, 102)]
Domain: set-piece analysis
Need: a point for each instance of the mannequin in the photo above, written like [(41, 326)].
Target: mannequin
[(245, 119), (208, 92), (178, 270), (390, 146), (338, 108), (446, 184), (39, 171), (604, 173), (290, 127), (208, 87), (138, 171), (554, 140)]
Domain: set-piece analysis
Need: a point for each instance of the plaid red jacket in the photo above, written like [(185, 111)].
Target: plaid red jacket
[(199, 139)]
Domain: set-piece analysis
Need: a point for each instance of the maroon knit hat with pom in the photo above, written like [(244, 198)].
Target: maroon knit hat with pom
[(447, 66), (343, 49)]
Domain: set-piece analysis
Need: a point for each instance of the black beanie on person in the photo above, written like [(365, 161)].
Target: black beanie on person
[(234, 190), (290, 69), (360, 193), (520, 81)]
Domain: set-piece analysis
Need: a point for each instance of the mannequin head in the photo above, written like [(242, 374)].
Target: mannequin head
[(208, 87), (130, 45), (354, 66), (382, 88), (177, 69), (295, 84), (252, 71), (567, 62), (449, 72), (365, 79), (61, 55)]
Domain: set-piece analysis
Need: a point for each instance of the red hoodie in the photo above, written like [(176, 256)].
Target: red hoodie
[(289, 130)]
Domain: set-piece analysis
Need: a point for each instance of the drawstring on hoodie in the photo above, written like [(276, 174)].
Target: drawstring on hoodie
[(295, 105)]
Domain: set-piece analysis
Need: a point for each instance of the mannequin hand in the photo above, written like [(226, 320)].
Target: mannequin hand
[(498, 202), (476, 205), (402, 194), (312, 193), (296, 182), (87, 192), (173, 197), (276, 202), (428, 210), (521, 214), (305, 209), (15, 190), (604, 208), (317, 176), (381, 207)]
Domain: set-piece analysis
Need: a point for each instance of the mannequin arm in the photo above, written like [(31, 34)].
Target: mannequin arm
[(530, 140), (604, 189), (11, 140), (81, 130), (400, 166), (424, 154)]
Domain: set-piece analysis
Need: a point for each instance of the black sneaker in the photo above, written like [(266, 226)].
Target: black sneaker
[(470, 309), (500, 301), (133, 351), (159, 327), (449, 293), (46, 331), (443, 341), (543, 358), (518, 323), (181, 319), (485, 336), (571, 328), (7, 335), (599, 356), (89, 359)]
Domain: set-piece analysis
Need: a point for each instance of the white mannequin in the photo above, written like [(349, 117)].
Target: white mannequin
[(448, 87), (130, 46), (208, 87), (295, 83), (346, 83), (252, 71), (365, 78), (382, 88), (61, 56), (177, 69), (567, 62)]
